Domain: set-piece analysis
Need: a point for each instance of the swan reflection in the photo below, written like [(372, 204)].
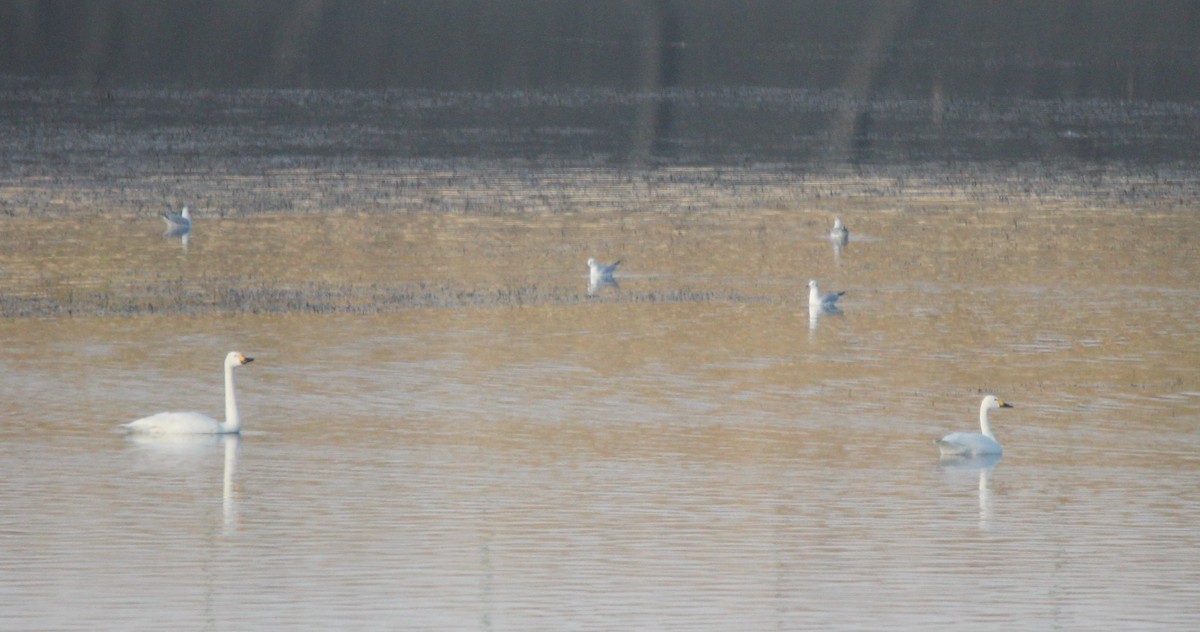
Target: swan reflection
[(174, 448), (983, 465), (233, 443), (193, 456)]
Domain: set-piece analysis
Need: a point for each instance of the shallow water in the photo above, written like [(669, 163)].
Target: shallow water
[(444, 431)]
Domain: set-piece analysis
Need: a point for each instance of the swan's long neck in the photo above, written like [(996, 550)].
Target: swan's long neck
[(814, 295), (984, 426), (233, 422)]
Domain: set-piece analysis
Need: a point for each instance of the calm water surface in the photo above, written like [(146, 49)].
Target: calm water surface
[(444, 431)]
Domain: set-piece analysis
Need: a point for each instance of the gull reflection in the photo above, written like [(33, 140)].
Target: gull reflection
[(983, 465), (595, 286), (182, 234), (814, 318), (816, 312)]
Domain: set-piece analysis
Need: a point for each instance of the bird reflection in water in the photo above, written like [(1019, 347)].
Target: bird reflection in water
[(983, 465), (190, 454), (594, 288)]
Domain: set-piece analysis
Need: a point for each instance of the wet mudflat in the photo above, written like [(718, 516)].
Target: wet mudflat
[(445, 429)]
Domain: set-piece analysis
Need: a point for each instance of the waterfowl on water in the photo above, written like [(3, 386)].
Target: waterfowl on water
[(839, 234), (975, 443), (823, 302), (182, 221), (196, 423), (600, 272)]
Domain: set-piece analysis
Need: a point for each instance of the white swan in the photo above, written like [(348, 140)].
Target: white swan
[(821, 302), (601, 272), (180, 222), (195, 423), (840, 235), (974, 443)]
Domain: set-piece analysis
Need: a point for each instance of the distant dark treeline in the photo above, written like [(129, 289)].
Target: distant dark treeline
[(1123, 49)]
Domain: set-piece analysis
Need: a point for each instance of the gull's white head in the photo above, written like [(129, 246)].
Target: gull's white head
[(236, 359)]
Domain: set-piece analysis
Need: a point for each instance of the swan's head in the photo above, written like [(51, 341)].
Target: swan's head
[(991, 401), (185, 213), (812, 284), (236, 359), (837, 223), (591, 262)]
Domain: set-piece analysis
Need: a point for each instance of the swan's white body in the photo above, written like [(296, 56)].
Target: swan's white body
[(195, 423), (183, 221), (974, 443), (840, 234), (821, 302), (600, 272)]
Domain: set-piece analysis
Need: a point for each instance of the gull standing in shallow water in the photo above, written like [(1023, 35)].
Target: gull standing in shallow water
[(195, 423), (974, 443)]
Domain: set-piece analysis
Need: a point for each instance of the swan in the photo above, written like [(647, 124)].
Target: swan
[(180, 222), (840, 234), (195, 423), (601, 272), (974, 443), (821, 302)]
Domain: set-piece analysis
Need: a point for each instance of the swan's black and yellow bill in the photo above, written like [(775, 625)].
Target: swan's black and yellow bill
[(246, 360), (1003, 404)]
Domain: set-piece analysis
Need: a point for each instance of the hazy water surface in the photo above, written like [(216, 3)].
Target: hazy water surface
[(444, 431)]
